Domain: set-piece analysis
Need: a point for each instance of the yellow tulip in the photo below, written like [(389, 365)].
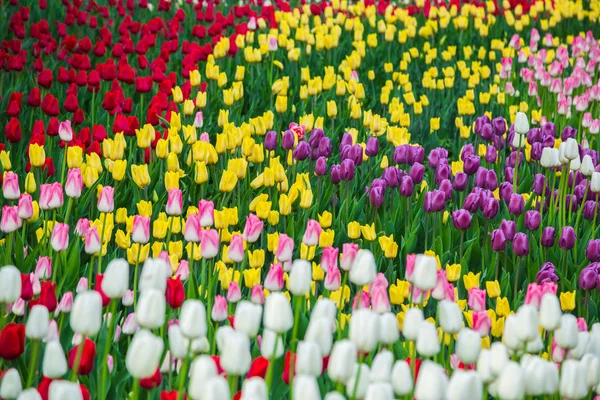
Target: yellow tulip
[(325, 219), (567, 301), (177, 94), (256, 258), (354, 230), (368, 232), (502, 307), (123, 240), (118, 171), (200, 172), (453, 272), (493, 289), (326, 238), (228, 181), (30, 185), (471, 280), (251, 277), (74, 156), (195, 78), (37, 155), (138, 253), (140, 175)]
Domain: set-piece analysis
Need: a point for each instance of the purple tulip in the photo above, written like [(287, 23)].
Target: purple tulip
[(314, 154), (356, 154), (288, 140), (401, 154), (347, 170), (491, 154), (509, 174), (346, 140), (325, 147), (589, 210), (479, 123), (547, 273), (592, 253), (407, 186), (446, 187), (315, 137), (539, 182), (442, 172), (588, 279), (472, 202), (548, 140), (533, 219), (534, 136), (471, 164), (498, 142), (392, 176), (487, 132), (516, 204), (506, 191), (568, 132), (536, 151), (416, 172), (376, 196), (416, 154), (467, 150), (499, 125), (548, 236), (436, 155), (511, 161), (460, 181), (520, 244), (549, 129), (492, 180), (336, 174), (434, 201), (571, 203), (271, 140), (345, 152), (490, 208), (372, 147), (301, 152), (321, 166), (498, 240), (509, 228), (461, 219), (567, 238)]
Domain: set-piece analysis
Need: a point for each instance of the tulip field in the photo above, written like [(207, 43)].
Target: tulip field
[(346, 199)]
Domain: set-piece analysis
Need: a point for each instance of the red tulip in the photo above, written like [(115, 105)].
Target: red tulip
[(26, 287), (71, 102), (34, 98), (12, 130), (53, 127), (12, 341), (258, 367), (175, 293), (14, 104), (98, 288), (172, 395), (153, 381), (87, 357), (286, 367), (47, 295), (50, 105), (45, 79)]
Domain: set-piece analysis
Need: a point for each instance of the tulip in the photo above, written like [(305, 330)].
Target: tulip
[(10, 186), (10, 284), (300, 278), (150, 310), (54, 364), (413, 317), (210, 243), (424, 275), (37, 323), (461, 219), (520, 244), (285, 248), (51, 196), (431, 382), (465, 384), (306, 387), (11, 384), (10, 220), (320, 331), (476, 299), (92, 241), (116, 279), (567, 238), (427, 340), (271, 345), (154, 275), (381, 367), (25, 207), (342, 361), (143, 354), (356, 386), (253, 228), (566, 334), (86, 316), (141, 229), (174, 202), (548, 236), (363, 268), (247, 318), (235, 355), (202, 370), (573, 380), (193, 229), (219, 311), (363, 332), (312, 233), (450, 317), (278, 313), (309, 360)]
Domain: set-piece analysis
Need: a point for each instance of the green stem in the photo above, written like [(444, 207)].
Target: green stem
[(77, 362), (101, 243), (107, 344), (35, 350), (8, 248), (135, 275), (355, 390), (297, 308), (184, 370), (135, 393)]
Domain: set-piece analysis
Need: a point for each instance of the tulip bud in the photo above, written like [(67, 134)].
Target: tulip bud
[(381, 367), (428, 343), (37, 323), (388, 329), (342, 361), (116, 279), (550, 312), (143, 355), (10, 284), (431, 382), (203, 368), (424, 275), (363, 268), (247, 317), (235, 354), (566, 334), (278, 313), (306, 387), (309, 360), (86, 316), (320, 331), (300, 278), (402, 380), (468, 346), (521, 123), (254, 388), (359, 381), (413, 317), (154, 275), (465, 384), (573, 383), (151, 308), (54, 365), (192, 319), (364, 329), (450, 317), (29, 394), (11, 384)]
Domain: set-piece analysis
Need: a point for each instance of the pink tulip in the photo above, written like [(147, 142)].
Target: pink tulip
[(51, 196), (204, 137), (66, 303), (117, 337), (380, 300), (449, 292), (476, 300), (329, 258), (199, 120), (18, 307), (219, 310), (174, 202), (10, 219), (164, 255), (65, 131), (312, 233), (60, 237), (82, 227), (582, 325), (549, 287), (127, 299), (192, 229), (285, 248), (92, 241), (439, 291), (74, 184), (10, 186), (379, 281), (361, 300), (274, 280), (253, 228), (515, 41), (349, 251), (534, 295), (183, 270), (410, 265), (110, 361), (236, 248), (35, 283), (106, 201), (206, 210), (333, 279), (25, 209), (586, 122), (233, 292), (257, 296), (210, 243), (82, 285), (43, 268), (141, 229), (482, 323)]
